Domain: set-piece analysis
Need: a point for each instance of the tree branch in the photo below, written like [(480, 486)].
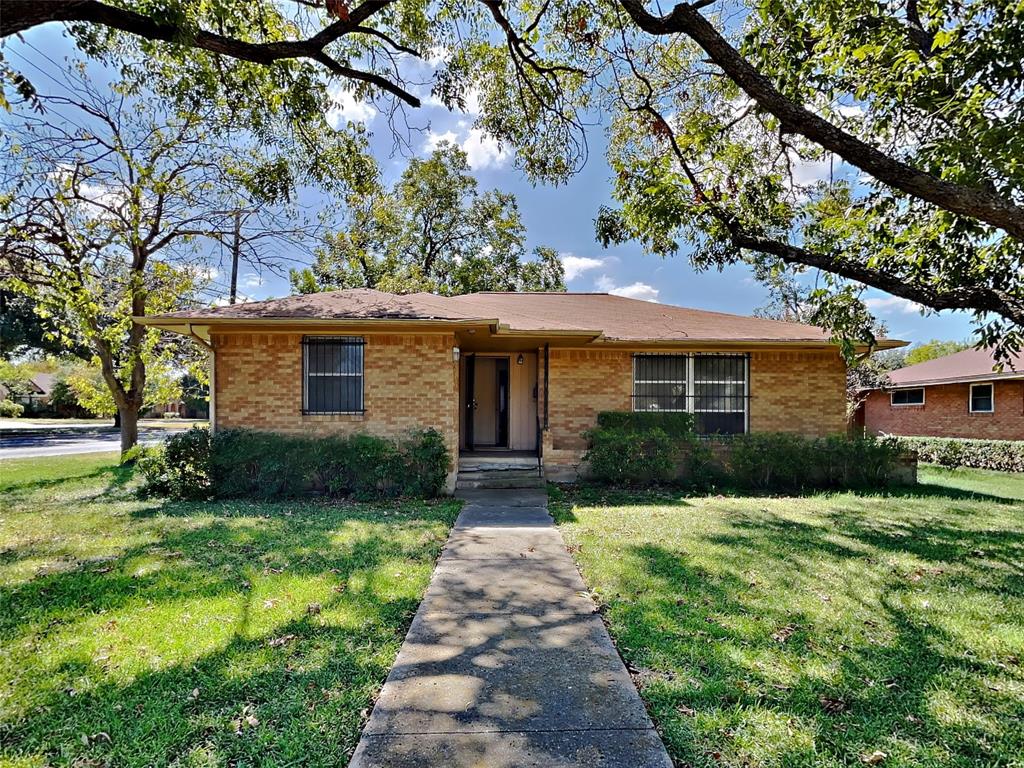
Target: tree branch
[(956, 198), (21, 15)]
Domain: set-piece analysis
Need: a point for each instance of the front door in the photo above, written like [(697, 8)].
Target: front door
[(487, 426)]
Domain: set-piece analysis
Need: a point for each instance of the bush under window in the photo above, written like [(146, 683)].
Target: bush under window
[(240, 463), (630, 449)]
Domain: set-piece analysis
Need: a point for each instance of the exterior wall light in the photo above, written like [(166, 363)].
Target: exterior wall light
[(455, 354), (519, 360)]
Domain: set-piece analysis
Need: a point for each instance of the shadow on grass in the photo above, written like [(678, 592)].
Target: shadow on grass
[(743, 669), (89, 691), (715, 664), (119, 476)]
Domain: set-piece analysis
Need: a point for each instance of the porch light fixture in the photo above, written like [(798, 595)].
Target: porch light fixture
[(519, 360), (455, 354)]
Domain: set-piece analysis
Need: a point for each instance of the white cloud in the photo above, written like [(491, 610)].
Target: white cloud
[(807, 172), (434, 140), (251, 280), (484, 151), (893, 305), (346, 109), (577, 265), (636, 290)]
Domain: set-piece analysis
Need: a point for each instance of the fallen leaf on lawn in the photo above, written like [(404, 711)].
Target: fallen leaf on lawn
[(874, 758), (832, 706), (783, 634), (686, 711), (194, 695), (277, 642), (268, 604), (313, 609), (251, 721)]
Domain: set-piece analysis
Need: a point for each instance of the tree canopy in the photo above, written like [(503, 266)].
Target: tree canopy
[(434, 230), (109, 202), (877, 142), (930, 350)]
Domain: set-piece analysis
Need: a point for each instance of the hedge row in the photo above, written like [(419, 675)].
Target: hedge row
[(629, 453), (1002, 455), (263, 465)]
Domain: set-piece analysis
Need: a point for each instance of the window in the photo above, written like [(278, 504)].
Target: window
[(982, 399), (332, 374), (712, 387), (659, 382), (907, 396)]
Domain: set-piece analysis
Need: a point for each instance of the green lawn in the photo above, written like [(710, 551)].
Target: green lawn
[(143, 633), (823, 630)]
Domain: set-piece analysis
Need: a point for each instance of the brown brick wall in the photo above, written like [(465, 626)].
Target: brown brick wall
[(946, 413), (803, 392), (410, 383), (582, 383)]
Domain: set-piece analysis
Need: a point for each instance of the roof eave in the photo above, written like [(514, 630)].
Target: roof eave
[(981, 377)]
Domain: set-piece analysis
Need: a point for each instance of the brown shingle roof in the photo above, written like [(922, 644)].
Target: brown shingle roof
[(349, 304), (969, 365), (614, 318), (622, 319)]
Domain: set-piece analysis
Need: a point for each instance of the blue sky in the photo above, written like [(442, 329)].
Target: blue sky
[(560, 217)]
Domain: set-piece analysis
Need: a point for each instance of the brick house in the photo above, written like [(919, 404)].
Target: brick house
[(513, 374), (959, 395)]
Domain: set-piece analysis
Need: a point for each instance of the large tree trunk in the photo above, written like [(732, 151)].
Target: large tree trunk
[(129, 417)]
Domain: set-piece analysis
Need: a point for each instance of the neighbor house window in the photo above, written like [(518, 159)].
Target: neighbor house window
[(332, 374), (907, 396), (982, 400), (712, 387)]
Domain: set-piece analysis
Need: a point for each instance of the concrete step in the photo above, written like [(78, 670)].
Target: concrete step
[(519, 466), (499, 483), (476, 474)]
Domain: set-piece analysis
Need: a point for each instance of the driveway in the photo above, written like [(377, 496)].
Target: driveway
[(62, 443), (506, 662)]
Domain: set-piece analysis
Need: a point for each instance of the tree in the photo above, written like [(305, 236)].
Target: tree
[(433, 231), (933, 349), (23, 331), (105, 203), (823, 138), (908, 113)]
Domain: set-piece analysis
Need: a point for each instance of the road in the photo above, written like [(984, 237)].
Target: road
[(26, 446)]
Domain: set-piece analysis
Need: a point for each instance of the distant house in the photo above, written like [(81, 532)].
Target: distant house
[(960, 395), (40, 387), (515, 372)]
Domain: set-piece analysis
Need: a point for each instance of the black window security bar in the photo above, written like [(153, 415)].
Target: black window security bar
[(713, 387), (332, 374)]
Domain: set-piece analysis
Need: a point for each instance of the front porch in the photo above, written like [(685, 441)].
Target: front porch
[(499, 469)]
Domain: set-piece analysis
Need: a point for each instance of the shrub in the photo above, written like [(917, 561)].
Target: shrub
[(632, 449), (178, 468), (770, 461), (672, 423), (1002, 455), (629, 457), (10, 409), (265, 465)]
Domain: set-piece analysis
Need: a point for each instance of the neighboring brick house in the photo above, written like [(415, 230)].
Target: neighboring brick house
[(514, 372), (960, 395)]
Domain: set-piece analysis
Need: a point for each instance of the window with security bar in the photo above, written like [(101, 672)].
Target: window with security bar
[(713, 387), (332, 374)]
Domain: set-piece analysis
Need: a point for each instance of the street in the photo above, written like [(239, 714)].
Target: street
[(62, 444)]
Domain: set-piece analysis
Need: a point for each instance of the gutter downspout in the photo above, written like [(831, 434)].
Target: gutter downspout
[(213, 375)]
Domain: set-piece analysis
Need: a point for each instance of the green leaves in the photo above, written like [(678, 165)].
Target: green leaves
[(433, 231)]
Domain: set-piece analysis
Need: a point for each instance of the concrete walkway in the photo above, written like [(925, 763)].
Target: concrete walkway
[(506, 663)]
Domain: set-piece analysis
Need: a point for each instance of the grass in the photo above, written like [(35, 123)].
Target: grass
[(825, 630), (144, 633)]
